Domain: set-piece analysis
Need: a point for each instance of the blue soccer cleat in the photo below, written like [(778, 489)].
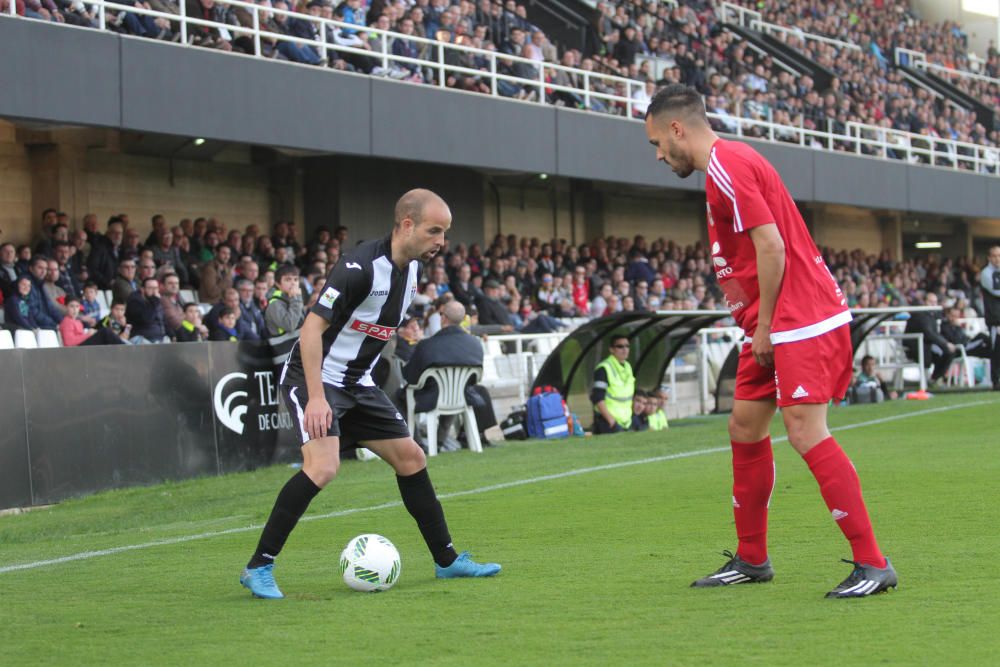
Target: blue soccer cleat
[(464, 566), (260, 581)]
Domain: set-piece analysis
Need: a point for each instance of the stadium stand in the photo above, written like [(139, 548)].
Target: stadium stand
[(864, 77)]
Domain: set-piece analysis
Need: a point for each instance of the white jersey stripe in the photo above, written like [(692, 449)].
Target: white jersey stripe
[(812, 330), (722, 170), (299, 414), (720, 173), (725, 183)]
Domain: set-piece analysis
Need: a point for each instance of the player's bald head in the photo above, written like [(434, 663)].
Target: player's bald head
[(677, 102), (415, 204), (453, 312)]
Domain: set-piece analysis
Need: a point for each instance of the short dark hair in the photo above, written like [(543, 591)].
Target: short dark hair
[(150, 278), (679, 100), (226, 311), (285, 270), (865, 359), (191, 303), (70, 298), (617, 337), (89, 284)]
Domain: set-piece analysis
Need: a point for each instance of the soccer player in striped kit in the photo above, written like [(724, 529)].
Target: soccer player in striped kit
[(327, 386), (798, 355)]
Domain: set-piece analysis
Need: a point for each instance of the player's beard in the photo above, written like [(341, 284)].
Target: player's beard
[(681, 164)]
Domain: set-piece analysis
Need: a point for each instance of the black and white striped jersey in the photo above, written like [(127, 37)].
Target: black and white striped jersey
[(364, 300)]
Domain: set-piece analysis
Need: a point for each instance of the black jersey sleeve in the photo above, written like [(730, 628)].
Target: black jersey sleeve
[(346, 287), (600, 387)]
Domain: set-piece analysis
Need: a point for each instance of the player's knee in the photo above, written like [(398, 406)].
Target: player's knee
[(323, 472), (742, 429), (415, 456)]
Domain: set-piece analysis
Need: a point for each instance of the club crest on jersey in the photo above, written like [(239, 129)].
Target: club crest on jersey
[(373, 330), (328, 297)]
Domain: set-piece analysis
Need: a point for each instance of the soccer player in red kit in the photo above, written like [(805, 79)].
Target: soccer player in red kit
[(782, 294)]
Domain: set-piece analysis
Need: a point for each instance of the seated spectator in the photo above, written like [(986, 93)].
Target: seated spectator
[(952, 331), (74, 333), (144, 312), (90, 308), (23, 312), (57, 295), (124, 284), (491, 311), (216, 276), (166, 254), (8, 269), (285, 310), (44, 310), (451, 346), (170, 291), (191, 330), (640, 416), (116, 322), (251, 319), (225, 329), (105, 254), (656, 416), (869, 387), (937, 349)]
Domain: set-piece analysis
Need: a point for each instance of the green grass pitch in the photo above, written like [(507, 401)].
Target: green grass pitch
[(596, 564)]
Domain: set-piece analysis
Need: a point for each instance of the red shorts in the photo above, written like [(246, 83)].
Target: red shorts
[(814, 370)]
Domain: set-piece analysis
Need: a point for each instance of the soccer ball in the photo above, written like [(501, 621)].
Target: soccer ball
[(370, 563)]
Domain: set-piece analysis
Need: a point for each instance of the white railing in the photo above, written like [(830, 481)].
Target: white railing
[(594, 90), (765, 27), (918, 59)]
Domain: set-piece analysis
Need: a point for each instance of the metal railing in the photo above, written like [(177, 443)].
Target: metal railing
[(918, 59), (593, 91)]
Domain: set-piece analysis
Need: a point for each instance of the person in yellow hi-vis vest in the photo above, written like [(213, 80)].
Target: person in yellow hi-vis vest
[(657, 415), (613, 388)]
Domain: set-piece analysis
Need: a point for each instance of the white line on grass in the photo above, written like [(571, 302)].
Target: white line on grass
[(86, 555)]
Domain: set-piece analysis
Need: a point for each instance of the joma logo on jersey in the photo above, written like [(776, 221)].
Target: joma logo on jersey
[(373, 330), (379, 292)]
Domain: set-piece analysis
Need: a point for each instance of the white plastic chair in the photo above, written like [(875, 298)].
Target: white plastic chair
[(451, 382), (47, 338), (24, 339), (187, 296), (6, 340)]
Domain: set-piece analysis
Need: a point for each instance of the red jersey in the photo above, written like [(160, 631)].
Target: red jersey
[(744, 191)]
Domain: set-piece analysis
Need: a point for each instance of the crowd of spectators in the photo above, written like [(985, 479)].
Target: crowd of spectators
[(252, 285), (685, 39), (249, 285)]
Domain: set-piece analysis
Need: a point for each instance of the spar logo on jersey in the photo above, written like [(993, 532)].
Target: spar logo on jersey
[(373, 330), (721, 265)]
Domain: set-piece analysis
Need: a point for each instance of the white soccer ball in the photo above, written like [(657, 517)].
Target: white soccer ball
[(370, 563)]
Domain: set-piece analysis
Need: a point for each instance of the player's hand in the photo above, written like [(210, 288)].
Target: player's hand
[(318, 416), (761, 347)]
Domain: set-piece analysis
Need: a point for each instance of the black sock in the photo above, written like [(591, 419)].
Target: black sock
[(293, 499), (422, 504)]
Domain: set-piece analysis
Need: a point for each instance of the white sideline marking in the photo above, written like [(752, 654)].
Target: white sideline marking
[(86, 555)]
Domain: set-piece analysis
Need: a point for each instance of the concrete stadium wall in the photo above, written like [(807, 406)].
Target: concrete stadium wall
[(154, 87)]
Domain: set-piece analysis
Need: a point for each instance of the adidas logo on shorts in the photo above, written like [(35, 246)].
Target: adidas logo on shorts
[(799, 392)]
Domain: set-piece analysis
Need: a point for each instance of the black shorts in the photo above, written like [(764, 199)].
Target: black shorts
[(360, 414)]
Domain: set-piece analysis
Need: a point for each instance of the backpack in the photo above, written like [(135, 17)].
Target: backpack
[(547, 414)]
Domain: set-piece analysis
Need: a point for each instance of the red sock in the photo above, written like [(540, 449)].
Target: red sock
[(753, 482), (841, 489)]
